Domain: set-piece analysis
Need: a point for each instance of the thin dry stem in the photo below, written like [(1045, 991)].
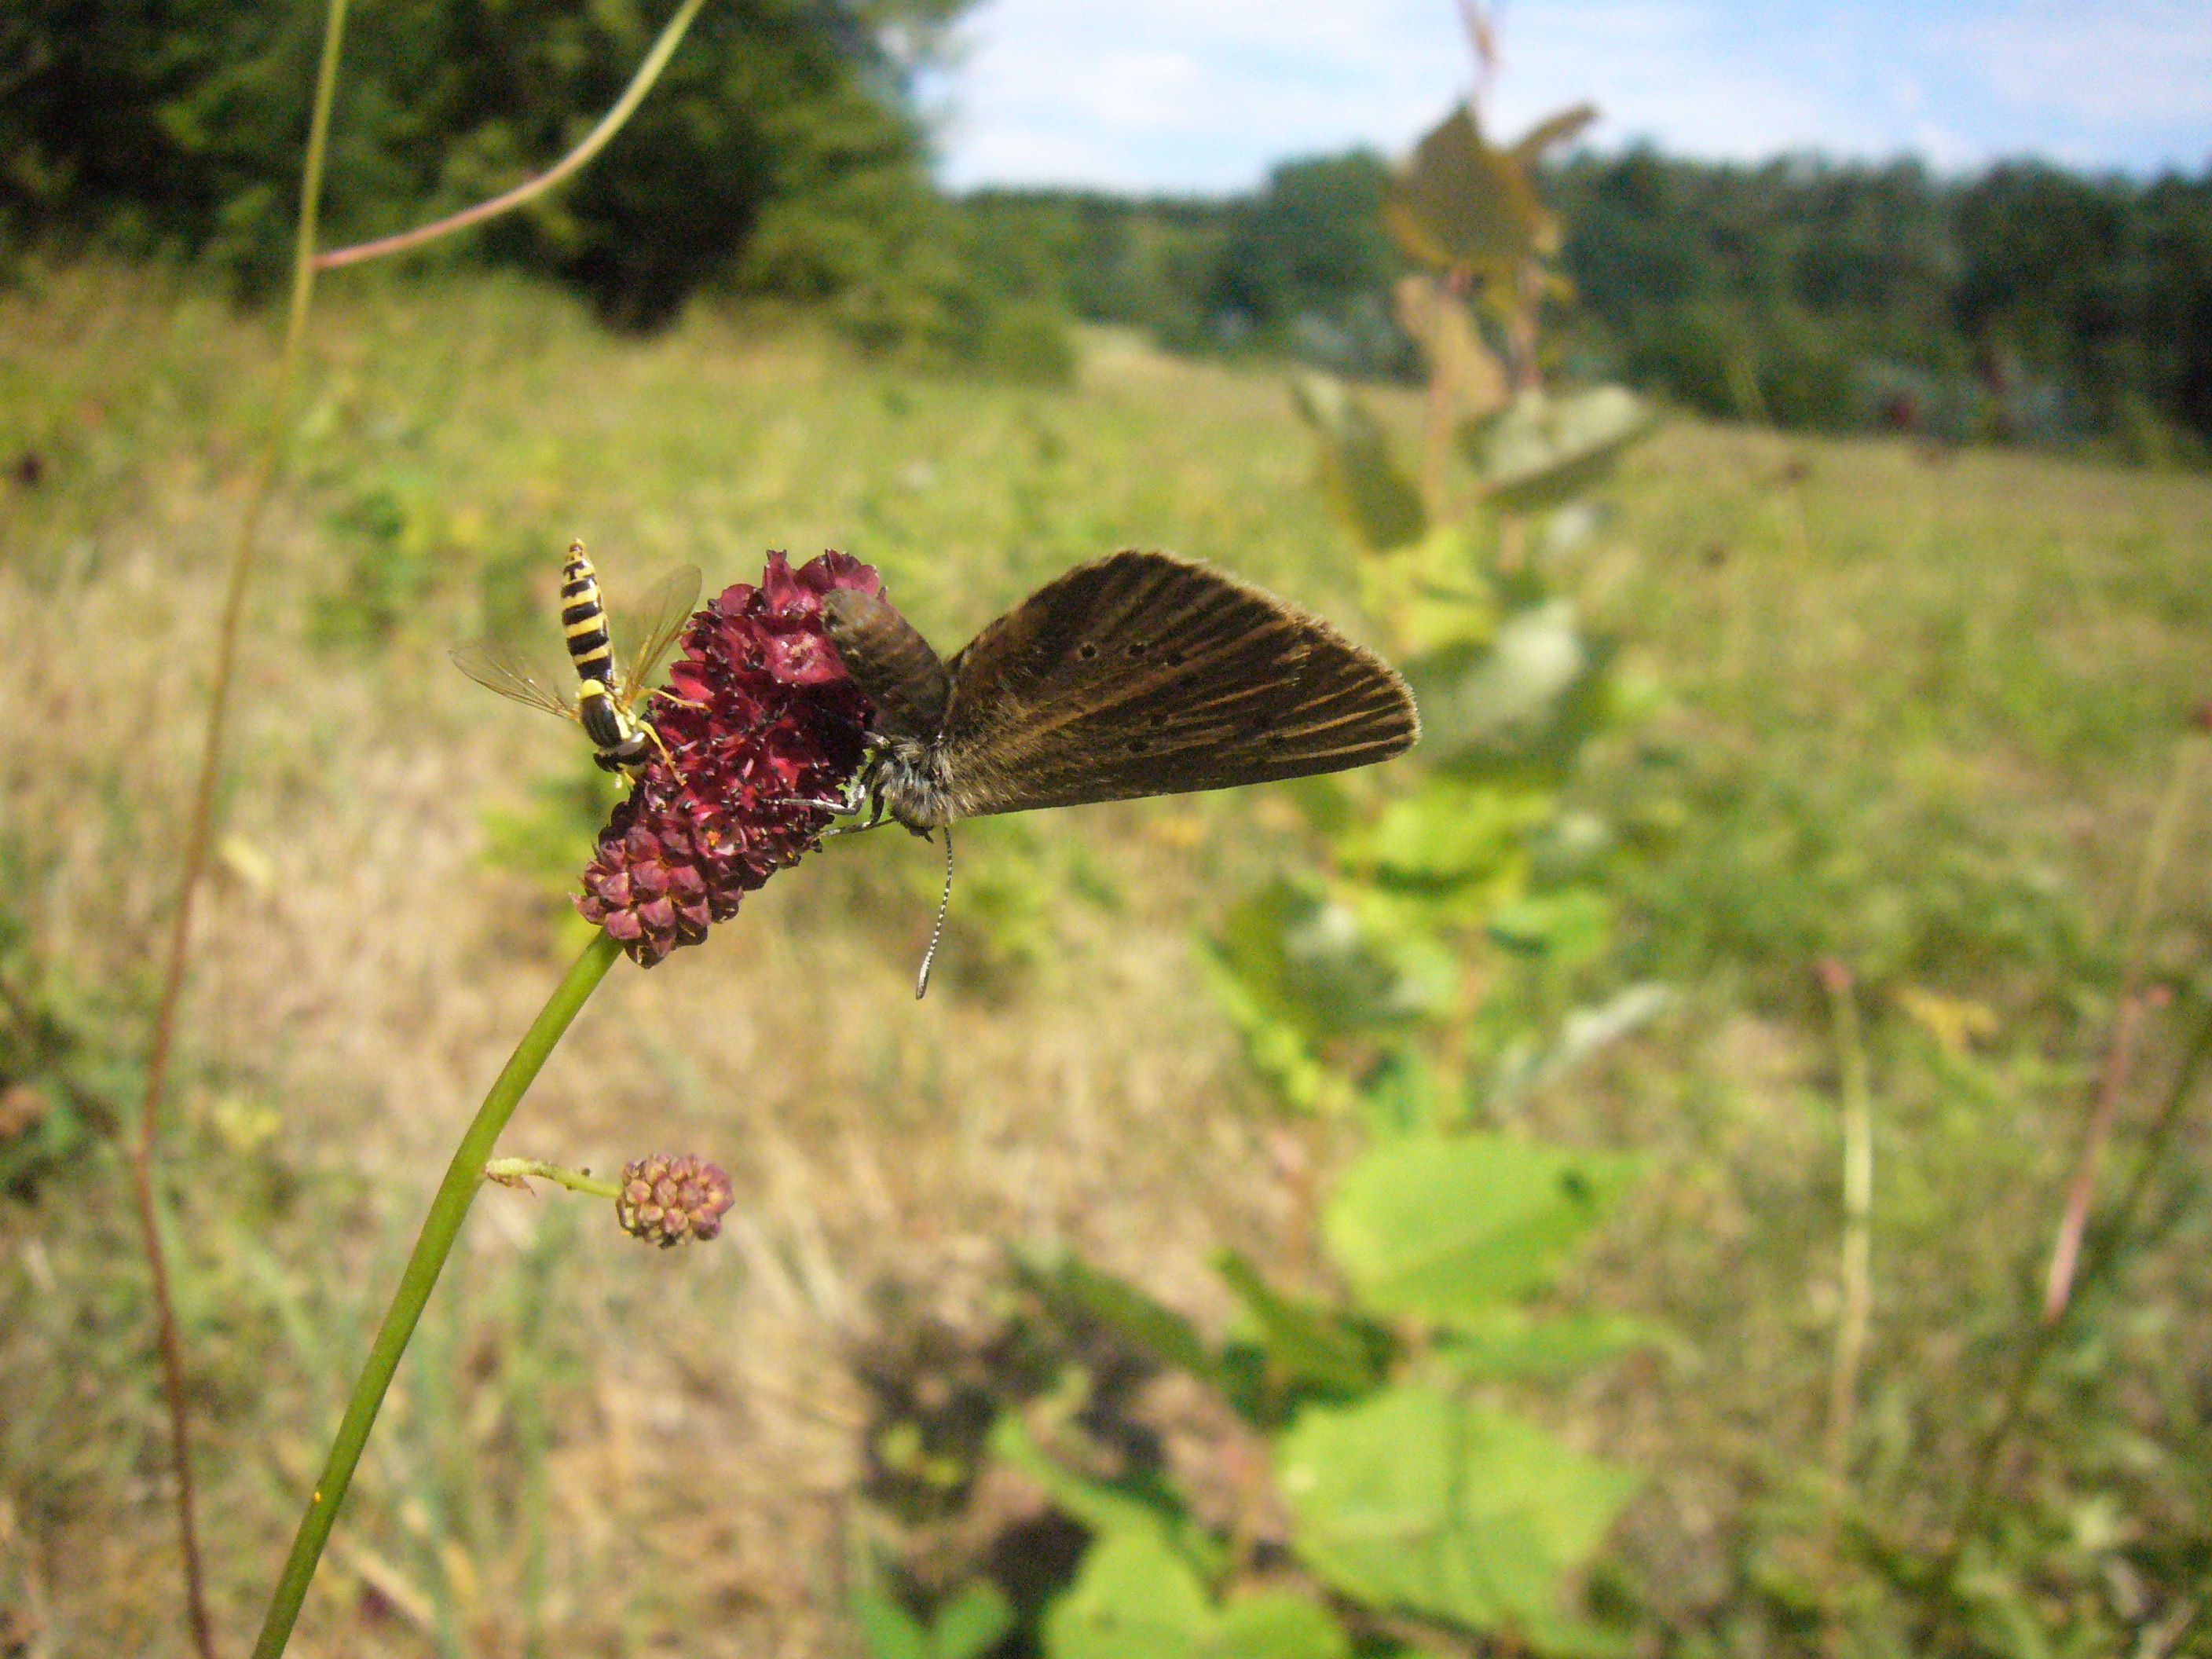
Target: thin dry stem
[(2043, 1336), (594, 142), (198, 833), (1855, 1268), (199, 829), (2112, 1084), (1482, 42), (2066, 1251)]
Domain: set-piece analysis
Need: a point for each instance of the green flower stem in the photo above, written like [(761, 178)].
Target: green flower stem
[(439, 1228), (518, 1169)]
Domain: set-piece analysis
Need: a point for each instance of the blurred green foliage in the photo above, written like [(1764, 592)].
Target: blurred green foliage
[(780, 127), (1408, 1500), (968, 1624), (1418, 985)]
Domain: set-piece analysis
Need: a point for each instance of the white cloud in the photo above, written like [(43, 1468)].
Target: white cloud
[(1192, 94), (1676, 71), (1203, 96), (2122, 63)]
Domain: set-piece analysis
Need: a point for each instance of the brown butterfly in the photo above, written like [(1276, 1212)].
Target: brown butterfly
[(1140, 674)]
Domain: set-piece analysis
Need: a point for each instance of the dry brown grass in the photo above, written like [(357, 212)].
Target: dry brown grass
[(359, 977), (606, 1450)]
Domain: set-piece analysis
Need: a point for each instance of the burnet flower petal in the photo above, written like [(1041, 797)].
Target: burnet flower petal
[(768, 716)]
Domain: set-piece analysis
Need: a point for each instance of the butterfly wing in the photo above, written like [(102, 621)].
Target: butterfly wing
[(1143, 674), (508, 672), (643, 635)]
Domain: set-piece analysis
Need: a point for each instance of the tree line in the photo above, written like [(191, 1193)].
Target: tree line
[(783, 153), (2024, 302)]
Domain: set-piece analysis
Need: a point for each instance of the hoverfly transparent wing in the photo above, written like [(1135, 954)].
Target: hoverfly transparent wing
[(643, 634), (512, 674)]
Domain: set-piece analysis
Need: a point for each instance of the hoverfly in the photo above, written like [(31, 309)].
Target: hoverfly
[(608, 689)]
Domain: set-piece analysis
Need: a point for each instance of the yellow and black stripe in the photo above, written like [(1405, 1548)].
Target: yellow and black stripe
[(622, 740)]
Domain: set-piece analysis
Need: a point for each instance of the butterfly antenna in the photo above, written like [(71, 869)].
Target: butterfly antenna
[(937, 933)]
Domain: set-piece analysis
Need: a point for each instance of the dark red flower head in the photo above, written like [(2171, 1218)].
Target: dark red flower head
[(768, 715)]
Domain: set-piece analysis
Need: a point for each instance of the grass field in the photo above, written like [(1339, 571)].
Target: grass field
[(1911, 712)]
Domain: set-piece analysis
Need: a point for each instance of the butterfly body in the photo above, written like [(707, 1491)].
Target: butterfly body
[(1139, 674)]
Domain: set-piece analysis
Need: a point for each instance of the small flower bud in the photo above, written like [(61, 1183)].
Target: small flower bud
[(665, 1200)]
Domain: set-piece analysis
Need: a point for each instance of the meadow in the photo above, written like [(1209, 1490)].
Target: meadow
[(1905, 711)]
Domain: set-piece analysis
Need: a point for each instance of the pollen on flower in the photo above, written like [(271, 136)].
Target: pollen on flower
[(665, 1200), (761, 713)]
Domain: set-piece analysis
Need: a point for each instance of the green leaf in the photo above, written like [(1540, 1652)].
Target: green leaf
[(1464, 203), (1510, 1342), (1569, 926), (1303, 958), (1544, 449), (1305, 1343), (1107, 1510), (1134, 1599), (1107, 1507), (1277, 1048), (970, 1622), (1451, 831), (1553, 130), (1442, 1226), (1473, 697), (1356, 473), (888, 1630), (1159, 1330), (1275, 1625), (1414, 1498), (1431, 592), (1463, 371)]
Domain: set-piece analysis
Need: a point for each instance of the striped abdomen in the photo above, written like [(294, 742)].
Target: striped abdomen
[(620, 739)]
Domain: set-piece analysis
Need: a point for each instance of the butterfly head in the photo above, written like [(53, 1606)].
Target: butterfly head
[(911, 779), (905, 773)]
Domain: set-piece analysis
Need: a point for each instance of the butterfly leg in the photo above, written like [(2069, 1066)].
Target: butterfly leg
[(854, 797)]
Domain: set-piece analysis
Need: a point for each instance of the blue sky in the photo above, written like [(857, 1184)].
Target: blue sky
[(1200, 96)]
